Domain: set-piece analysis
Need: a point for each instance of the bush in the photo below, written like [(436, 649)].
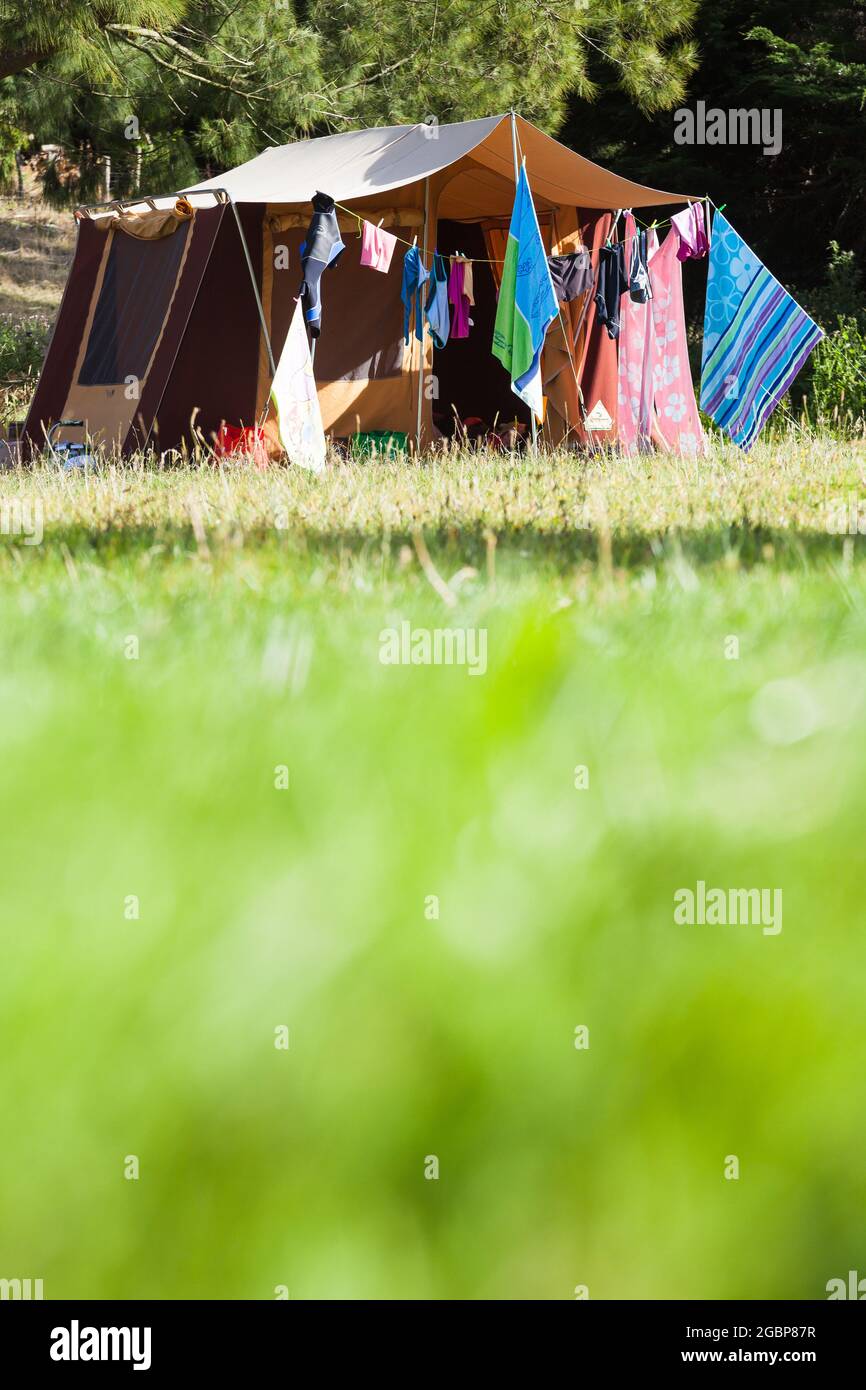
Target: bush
[(22, 348), (837, 385), (832, 387)]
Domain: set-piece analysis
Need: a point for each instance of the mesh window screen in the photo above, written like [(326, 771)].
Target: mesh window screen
[(139, 282)]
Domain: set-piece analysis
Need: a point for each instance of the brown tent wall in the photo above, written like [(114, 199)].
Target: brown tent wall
[(598, 367), (367, 377), (55, 378), (99, 318), (213, 372)]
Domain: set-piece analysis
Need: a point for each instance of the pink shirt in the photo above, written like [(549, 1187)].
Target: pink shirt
[(459, 299), (377, 247), (692, 232)]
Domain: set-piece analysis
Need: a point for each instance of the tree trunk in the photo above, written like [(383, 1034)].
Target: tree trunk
[(14, 60)]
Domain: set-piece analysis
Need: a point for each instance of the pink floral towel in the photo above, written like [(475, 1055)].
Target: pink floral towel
[(634, 382), (676, 411), (656, 395)]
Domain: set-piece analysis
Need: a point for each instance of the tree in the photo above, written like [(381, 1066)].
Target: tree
[(807, 60), (75, 29), (473, 57), (229, 77)]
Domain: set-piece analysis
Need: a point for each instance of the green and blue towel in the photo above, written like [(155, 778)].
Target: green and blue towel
[(527, 302)]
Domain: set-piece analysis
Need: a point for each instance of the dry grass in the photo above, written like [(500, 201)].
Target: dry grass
[(786, 488), (36, 245)]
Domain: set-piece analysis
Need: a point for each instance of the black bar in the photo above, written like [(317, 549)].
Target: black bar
[(167, 1338)]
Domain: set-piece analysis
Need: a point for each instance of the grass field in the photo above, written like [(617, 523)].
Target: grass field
[(462, 871)]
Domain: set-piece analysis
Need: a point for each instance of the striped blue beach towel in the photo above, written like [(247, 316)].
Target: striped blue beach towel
[(756, 338)]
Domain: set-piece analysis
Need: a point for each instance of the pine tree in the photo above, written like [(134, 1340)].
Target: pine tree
[(470, 58), (805, 58), (222, 79), (34, 34)]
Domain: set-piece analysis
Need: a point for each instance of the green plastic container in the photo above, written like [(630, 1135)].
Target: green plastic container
[(380, 443)]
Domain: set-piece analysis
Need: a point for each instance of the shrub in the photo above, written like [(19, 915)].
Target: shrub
[(837, 380), (22, 348), (832, 388)]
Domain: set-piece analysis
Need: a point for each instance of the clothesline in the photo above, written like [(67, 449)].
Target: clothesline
[(655, 226), (488, 260), (479, 260)]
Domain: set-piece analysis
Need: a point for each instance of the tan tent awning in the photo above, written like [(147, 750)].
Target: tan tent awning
[(363, 163)]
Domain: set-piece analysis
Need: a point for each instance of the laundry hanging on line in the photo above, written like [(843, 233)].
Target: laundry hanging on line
[(468, 276), (322, 248), (460, 295), (377, 247), (294, 400), (692, 232), (572, 274), (436, 308), (639, 282), (527, 301), (635, 362), (415, 276), (611, 285), (676, 424), (657, 406)]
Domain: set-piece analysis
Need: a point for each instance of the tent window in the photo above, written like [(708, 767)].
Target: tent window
[(139, 281)]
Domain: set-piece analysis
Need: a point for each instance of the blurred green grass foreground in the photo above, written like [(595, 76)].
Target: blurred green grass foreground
[(347, 979)]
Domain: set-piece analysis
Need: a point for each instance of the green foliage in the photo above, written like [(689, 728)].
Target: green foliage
[(22, 347), (466, 60), (76, 31), (806, 59), (842, 295), (13, 140), (833, 385), (837, 383), (239, 75)]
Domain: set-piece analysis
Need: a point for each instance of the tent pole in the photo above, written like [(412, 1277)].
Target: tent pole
[(255, 290), (516, 176), (421, 344)]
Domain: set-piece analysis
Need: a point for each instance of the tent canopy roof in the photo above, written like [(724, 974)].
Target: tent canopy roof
[(363, 163)]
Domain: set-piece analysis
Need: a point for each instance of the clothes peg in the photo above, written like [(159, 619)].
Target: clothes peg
[(415, 240)]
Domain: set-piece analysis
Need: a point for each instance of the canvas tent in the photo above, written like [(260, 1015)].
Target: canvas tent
[(174, 311)]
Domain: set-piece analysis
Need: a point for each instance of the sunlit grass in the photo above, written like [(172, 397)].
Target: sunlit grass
[(179, 636), (780, 485)]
